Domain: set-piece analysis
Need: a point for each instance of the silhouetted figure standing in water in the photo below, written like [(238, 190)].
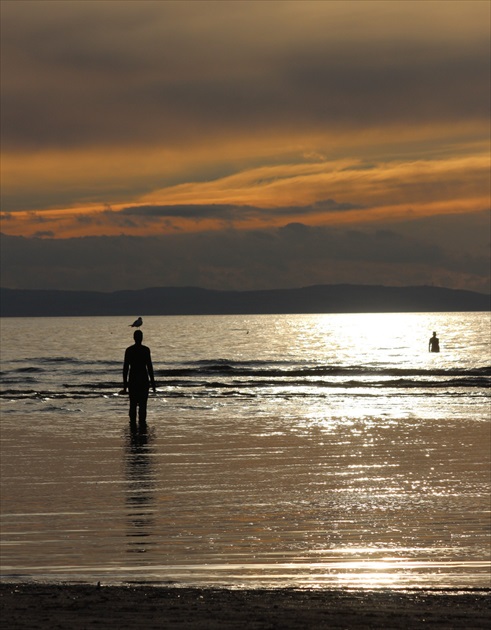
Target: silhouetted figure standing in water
[(138, 363), (434, 344)]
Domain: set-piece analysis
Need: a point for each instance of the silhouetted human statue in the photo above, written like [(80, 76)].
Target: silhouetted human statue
[(434, 344), (138, 376)]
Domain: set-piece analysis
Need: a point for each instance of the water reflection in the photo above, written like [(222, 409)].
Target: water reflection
[(141, 487)]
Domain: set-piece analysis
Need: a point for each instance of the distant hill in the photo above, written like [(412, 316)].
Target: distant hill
[(195, 301)]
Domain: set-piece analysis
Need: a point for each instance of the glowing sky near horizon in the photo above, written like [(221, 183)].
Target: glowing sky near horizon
[(208, 123)]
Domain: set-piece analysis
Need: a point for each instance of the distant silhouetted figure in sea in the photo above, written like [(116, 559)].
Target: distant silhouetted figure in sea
[(434, 344), (138, 376), (137, 323)]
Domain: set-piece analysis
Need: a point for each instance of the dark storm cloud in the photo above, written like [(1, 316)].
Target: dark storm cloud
[(191, 211), (121, 73), (294, 255), (317, 243), (229, 211)]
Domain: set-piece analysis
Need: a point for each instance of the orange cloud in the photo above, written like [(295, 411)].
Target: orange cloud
[(334, 194)]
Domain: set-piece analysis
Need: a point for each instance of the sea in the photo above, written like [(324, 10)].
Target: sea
[(281, 451)]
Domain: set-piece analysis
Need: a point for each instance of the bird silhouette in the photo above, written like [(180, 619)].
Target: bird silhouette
[(137, 323)]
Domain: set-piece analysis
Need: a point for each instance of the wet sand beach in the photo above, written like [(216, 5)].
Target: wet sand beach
[(318, 472), (126, 607)]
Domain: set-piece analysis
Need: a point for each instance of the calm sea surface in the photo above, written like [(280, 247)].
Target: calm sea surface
[(294, 450)]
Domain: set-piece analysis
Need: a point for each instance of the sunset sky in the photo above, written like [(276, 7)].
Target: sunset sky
[(245, 144)]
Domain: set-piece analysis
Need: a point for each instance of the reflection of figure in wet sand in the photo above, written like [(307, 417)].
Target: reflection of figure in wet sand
[(140, 493), (434, 344), (138, 363)]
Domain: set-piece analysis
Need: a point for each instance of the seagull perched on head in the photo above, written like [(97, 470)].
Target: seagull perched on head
[(137, 323)]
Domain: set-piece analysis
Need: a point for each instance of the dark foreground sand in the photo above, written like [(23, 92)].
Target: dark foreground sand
[(84, 606)]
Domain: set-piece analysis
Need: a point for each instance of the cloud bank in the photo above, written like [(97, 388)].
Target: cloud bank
[(443, 251)]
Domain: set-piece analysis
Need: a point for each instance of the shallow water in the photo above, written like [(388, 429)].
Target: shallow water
[(305, 451)]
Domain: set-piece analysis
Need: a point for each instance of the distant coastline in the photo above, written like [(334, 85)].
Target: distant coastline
[(344, 298)]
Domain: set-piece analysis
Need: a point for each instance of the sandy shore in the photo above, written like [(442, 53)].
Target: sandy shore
[(84, 606)]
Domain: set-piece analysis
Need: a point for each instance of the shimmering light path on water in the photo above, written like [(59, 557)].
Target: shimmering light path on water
[(252, 478)]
